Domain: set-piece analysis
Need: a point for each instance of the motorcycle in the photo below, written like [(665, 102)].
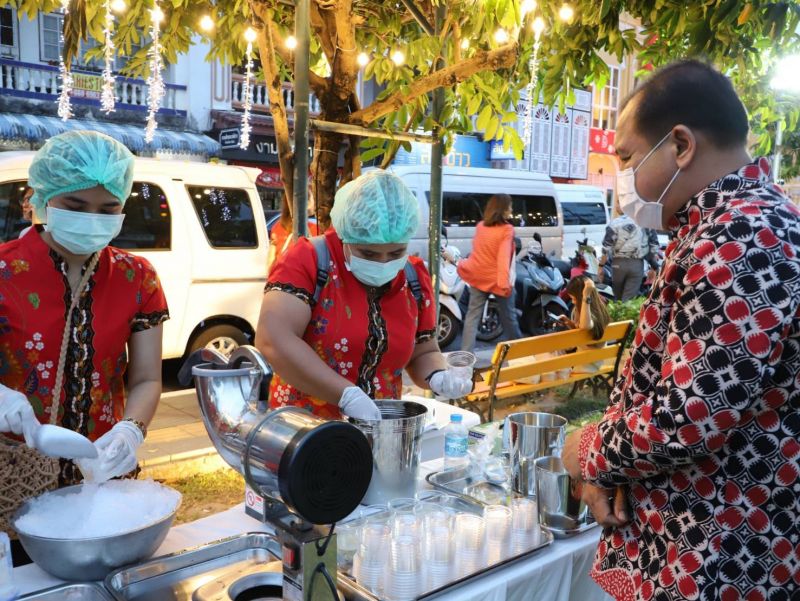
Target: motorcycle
[(585, 262), (451, 288), (537, 289)]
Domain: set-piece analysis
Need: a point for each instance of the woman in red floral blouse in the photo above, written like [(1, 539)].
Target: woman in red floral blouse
[(335, 353), (695, 467), (73, 375)]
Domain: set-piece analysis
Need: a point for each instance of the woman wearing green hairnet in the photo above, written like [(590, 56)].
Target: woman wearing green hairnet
[(334, 353), (70, 372)]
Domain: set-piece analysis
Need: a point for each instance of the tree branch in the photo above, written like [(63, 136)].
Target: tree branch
[(323, 25), (500, 58)]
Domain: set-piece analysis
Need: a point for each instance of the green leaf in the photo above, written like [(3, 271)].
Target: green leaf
[(474, 105), (491, 128), (370, 154), (484, 117)]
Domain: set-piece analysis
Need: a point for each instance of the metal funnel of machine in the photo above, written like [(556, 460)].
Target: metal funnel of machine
[(319, 469)]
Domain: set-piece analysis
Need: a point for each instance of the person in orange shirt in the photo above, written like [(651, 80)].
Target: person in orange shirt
[(281, 238), (488, 270)]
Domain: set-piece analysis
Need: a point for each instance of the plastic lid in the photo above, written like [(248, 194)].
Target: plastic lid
[(455, 417)]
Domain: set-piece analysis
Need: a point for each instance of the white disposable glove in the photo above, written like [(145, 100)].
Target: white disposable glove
[(116, 453), (357, 404), (16, 413), (449, 385)]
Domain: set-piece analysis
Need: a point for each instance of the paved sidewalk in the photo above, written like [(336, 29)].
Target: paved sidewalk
[(177, 443)]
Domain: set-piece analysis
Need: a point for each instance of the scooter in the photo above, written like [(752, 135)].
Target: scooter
[(585, 263), (451, 288), (537, 289)]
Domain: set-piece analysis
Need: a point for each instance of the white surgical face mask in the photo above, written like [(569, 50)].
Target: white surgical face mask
[(644, 214), (374, 273)]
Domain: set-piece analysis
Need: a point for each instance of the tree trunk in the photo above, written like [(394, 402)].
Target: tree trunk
[(324, 172)]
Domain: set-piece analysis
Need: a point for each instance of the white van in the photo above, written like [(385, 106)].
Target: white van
[(203, 229), (585, 215), (465, 192)]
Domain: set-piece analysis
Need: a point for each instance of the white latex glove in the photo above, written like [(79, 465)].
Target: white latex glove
[(116, 453), (356, 403), (16, 413), (448, 385)]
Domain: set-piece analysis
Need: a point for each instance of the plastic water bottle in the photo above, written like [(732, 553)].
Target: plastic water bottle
[(455, 443)]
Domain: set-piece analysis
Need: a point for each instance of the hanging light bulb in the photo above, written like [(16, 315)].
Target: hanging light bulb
[(538, 27), (465, 44), (119, 6), (501, 36), (157, 15), (206, 23), (398, 58), (362, 59), (250, 35), (291, 42), (527, 7), (566, 13)]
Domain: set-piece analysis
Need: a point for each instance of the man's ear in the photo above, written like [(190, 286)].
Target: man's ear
[(684, 145)]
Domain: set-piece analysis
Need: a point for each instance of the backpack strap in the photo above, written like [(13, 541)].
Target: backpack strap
[(323, 262), (413, 282)]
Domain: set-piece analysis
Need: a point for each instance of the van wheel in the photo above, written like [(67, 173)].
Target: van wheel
[(223, 338), (448, 328)]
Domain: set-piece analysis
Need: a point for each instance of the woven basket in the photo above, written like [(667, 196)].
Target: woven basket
[(24, 473)]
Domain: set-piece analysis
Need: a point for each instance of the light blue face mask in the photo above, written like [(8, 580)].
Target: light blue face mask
[(373, 273), (82, 233)]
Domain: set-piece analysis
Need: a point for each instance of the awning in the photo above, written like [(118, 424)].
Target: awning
[(39, 128)]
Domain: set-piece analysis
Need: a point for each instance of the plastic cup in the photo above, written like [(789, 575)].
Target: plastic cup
[(524, 515), (461, 363), (498, 532), (348, 539), (439, 545), (405, 524), (374, 542), (369, 574), (469, 531)]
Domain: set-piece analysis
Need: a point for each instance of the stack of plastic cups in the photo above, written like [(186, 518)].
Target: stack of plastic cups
[(369, 563), (437, 545), (498, 533), (405, 569), (470, 547), (525, 532), (405, 521), (348, 538)]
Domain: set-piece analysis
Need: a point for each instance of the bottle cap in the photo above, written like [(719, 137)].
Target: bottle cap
[(455, 417)]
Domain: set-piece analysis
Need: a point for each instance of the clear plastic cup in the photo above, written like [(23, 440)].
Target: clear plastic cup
[(369, 573), (438, 546), (375, 539), (470, 531), (348, 539), (402, 505), (524, 514), (405, 569), (498, 533), (461, 363), (405, 524)]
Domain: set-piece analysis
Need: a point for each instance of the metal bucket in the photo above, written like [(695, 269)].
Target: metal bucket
[(395, 442), (560, 504), (529, 436)]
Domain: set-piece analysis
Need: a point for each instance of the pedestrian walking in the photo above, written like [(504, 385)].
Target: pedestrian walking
[(628, 246)]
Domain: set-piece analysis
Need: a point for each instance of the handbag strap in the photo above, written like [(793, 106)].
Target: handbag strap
[(62, 357)]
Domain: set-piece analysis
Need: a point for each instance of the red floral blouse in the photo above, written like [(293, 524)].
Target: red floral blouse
[(366, 334), (125, 297), (704, 425)]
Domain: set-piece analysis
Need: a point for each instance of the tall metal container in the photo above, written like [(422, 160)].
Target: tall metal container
[(528, 437)]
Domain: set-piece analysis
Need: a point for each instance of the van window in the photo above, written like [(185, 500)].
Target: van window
[(226, 216), (461, 209), (534, 211), (11, 223), (584, 213), (148, 223)]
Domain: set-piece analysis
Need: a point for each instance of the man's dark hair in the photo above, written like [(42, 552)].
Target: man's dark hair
[(693, 94)]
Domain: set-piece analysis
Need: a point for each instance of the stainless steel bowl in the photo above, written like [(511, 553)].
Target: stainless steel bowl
[(91, 558)]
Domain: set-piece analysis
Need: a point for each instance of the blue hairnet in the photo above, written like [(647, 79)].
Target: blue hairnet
[(77, 160), (376, 208)]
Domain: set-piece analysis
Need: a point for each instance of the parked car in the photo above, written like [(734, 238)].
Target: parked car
[(465, 192), (585, 216), (203, 229)]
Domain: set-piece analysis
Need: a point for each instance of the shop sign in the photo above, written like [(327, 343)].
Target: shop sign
[(230, 138), (602, 140), (467, 151), (86, 85)]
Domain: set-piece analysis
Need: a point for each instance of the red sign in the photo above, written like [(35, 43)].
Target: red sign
[(602, 140), (270, 177)]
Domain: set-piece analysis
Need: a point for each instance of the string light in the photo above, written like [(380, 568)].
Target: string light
[(247, 90), (527, 7), (206, 23), (65, 74), (465, 44), (501, 36), (538, 27), (155, 81), (291, 42), (108, 96), (398, 58), (566, 13), (119, 6), (362, 59)]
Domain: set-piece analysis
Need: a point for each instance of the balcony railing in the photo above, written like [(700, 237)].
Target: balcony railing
[(40, 82), (261, 96)]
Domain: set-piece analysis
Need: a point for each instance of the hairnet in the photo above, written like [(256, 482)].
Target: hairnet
[(376, 208), (77, 160)]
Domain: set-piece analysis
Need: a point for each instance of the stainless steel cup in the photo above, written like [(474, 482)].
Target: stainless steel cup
[(560, 504), (395, 441), (529, 436)]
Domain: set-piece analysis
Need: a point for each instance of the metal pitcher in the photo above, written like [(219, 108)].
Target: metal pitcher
[(395, 442), (560, 503), (529, 436)]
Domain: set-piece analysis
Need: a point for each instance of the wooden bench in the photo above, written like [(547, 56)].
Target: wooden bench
[(504, 381)]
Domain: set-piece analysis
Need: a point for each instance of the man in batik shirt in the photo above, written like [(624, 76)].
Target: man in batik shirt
[(695, 468)]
